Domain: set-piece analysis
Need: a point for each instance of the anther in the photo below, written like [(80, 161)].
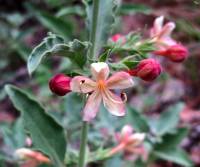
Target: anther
[(124, 97), (88, 94), (80, 84)]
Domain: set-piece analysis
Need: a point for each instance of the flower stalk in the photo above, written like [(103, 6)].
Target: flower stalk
[(82, 153), (91, 56), (92, 52)]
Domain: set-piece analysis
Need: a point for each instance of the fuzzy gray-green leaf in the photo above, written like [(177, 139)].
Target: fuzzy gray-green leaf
[(55, 45), (104, 21), (46, 133)]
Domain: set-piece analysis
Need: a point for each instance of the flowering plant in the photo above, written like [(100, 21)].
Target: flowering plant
[(98, 69)]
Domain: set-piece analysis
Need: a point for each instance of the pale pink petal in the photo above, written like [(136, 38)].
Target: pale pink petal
[(168, 41), (136, 138), (119, 80), (167, 30), (157, 27), (100, 70), (92, 106), (127, 131), (82, 84), (113, 103)]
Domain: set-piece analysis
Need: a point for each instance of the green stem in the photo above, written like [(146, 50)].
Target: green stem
[(83, 144), (92, 53)]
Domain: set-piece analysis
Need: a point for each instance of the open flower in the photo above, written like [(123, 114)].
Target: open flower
[(128, 141), (100, 88), (162, 34), (167, 46)]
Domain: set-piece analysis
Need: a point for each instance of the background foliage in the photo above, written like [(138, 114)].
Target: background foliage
[(167, 109)]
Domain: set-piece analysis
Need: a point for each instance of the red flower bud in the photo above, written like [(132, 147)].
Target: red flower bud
[(176, 53), (60, 84), (117, 37), (147, 69)]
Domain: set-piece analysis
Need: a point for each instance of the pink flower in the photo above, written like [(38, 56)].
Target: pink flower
[(28, 154), (100, 88), (117, 37), (176, 53), (167, 46), (162, 34), (147, 69), (60, 84), (127, 140)]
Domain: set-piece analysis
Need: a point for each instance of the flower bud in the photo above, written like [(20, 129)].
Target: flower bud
[(26, 154), (117, 37), (176, 53), (60, 84), (147, 69)]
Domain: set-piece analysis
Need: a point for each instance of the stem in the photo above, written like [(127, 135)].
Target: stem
[(92, 53), (91, 56), (83, 144)]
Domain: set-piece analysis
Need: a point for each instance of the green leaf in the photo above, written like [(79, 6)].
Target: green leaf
[(139, 163), (104, 57), (53, 44), (104, 21), (168, 119), (134, 46), (114, 161), (131, 9), (47, 135), (174, 138), (22, 49), (14, 134), (57, 25), (168, 148), (71, 10), (137, 120), (177, 155)]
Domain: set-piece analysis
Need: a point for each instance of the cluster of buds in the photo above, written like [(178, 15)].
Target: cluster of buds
[(100, 87), (33, 158), (128, 142), (149, 69)]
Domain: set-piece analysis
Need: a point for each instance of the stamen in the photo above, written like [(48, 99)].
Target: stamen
[(80, 84), (109, 96), (124, 97), (88, 94)]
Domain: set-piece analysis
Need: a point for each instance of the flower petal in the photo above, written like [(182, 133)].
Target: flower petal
[(136, 139), (113, 103), (127, 131), (82, 84), (92, 106), (120, 80), (157, 27), (167, 30), (100, 70)]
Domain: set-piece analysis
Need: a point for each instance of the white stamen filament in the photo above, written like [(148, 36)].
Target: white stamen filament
[(109, 96)]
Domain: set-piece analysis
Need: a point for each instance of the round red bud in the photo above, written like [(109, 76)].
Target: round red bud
[(60, 84), (147, 69), (176, 53), (117, 37)]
